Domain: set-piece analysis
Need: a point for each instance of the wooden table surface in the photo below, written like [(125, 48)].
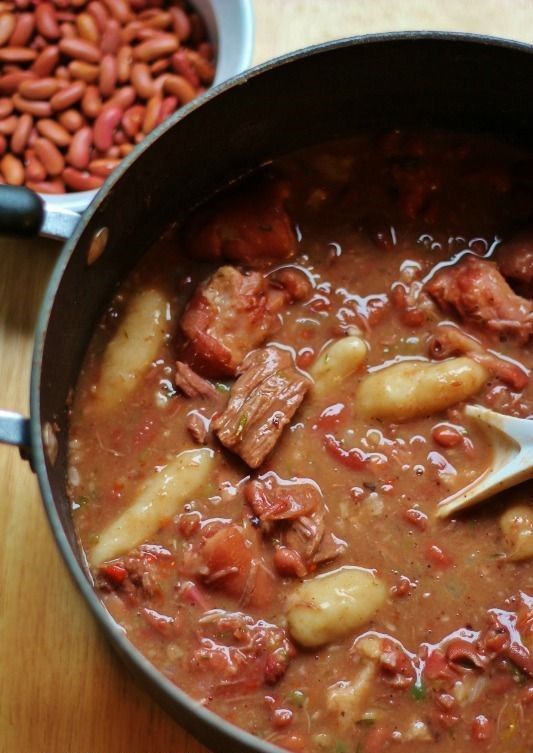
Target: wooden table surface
[(62, 690)]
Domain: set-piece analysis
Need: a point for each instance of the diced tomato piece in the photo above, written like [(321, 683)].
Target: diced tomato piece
[(437, 667), (352, 458), (294, 743), (482, 728), (233, 562), (416, 518), (435, 555), (331, 416), (115, 574)]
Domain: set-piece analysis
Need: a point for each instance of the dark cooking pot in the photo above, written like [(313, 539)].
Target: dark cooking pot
[(412, 79)]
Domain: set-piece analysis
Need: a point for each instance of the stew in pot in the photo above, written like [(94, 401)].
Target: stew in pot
[(267, 417)]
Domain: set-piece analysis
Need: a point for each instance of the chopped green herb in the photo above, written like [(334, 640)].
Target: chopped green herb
[(243, 420), (418, 691), (221, 387), (93, 539), (296, 698), (340, 747), (367, 720)]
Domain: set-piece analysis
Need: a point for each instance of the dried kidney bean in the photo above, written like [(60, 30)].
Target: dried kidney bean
[(83, 82)]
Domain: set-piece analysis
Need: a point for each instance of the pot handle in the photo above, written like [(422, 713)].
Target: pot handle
[(15, 429), (24, 213)]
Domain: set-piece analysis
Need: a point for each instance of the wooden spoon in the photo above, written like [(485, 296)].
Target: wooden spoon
[(512, 444)]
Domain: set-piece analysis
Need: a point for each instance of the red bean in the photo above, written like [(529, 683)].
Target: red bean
[(99, 13), (79, 152), (446, 436), (39, 108), (120, 10), (46, 21), (7, 24), (124, 60), (160, 46), (91, 104), (55, 186), (84, 71), (11, 81), (111, 38), (71, 120), (81, 181), (88, 28), (17, 55), (12, 170), (42, 88), (142, 80), (104, 127), (21, 134), (151, 115), (133, 120), (180, 22), (24, 25), (68, 96), (54, 132), (108, 75), (46, 61), (8, 125), (49, 155), (103, 166), (167, 108), (180, 88), (34, 167), (80, 49), (6, 107)]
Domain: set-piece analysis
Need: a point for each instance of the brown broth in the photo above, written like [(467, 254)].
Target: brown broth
[(371, 213)]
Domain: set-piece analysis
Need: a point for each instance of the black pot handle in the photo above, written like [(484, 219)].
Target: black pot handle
[(21, 211), (24, 213)]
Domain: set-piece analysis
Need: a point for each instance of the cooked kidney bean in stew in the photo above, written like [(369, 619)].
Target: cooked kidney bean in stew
[(267, 419)]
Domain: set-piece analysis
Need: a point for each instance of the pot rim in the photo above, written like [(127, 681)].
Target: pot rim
[(157, 680)]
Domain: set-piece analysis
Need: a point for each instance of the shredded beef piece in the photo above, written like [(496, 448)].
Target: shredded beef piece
[(229, 314), (191, 383), (515, 259), (237, 654), (308, 537), (248, 225), (262, 401), (477, 292), (273, 498), (198, 426)]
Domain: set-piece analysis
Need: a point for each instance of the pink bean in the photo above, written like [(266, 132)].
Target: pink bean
[(81, 181), (46, 61), (12, 170), (108, 75), (111, 38), (49, 155), (54, 132), (91, 104), (39, 108), (55, 186), (68, 96), (46, 21), (6, 107), (21, 134), (42, 88), (71, 120), (132, 120), (34, 167), (104, 127), (24, 25), (80, 49), (79, 152)]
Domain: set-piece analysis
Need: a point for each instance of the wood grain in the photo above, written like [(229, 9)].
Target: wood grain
[(62, 690)]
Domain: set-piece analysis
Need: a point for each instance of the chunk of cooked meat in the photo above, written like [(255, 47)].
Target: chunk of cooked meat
[(250, 225), (191, 383), (476, 291), (515, 259), (230, 314), (274, 498), (262, 401)]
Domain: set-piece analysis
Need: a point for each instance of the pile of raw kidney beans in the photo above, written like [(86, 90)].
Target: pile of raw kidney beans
[(83, 81)]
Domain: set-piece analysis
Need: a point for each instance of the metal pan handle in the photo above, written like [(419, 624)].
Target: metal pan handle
[(24, 213)]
